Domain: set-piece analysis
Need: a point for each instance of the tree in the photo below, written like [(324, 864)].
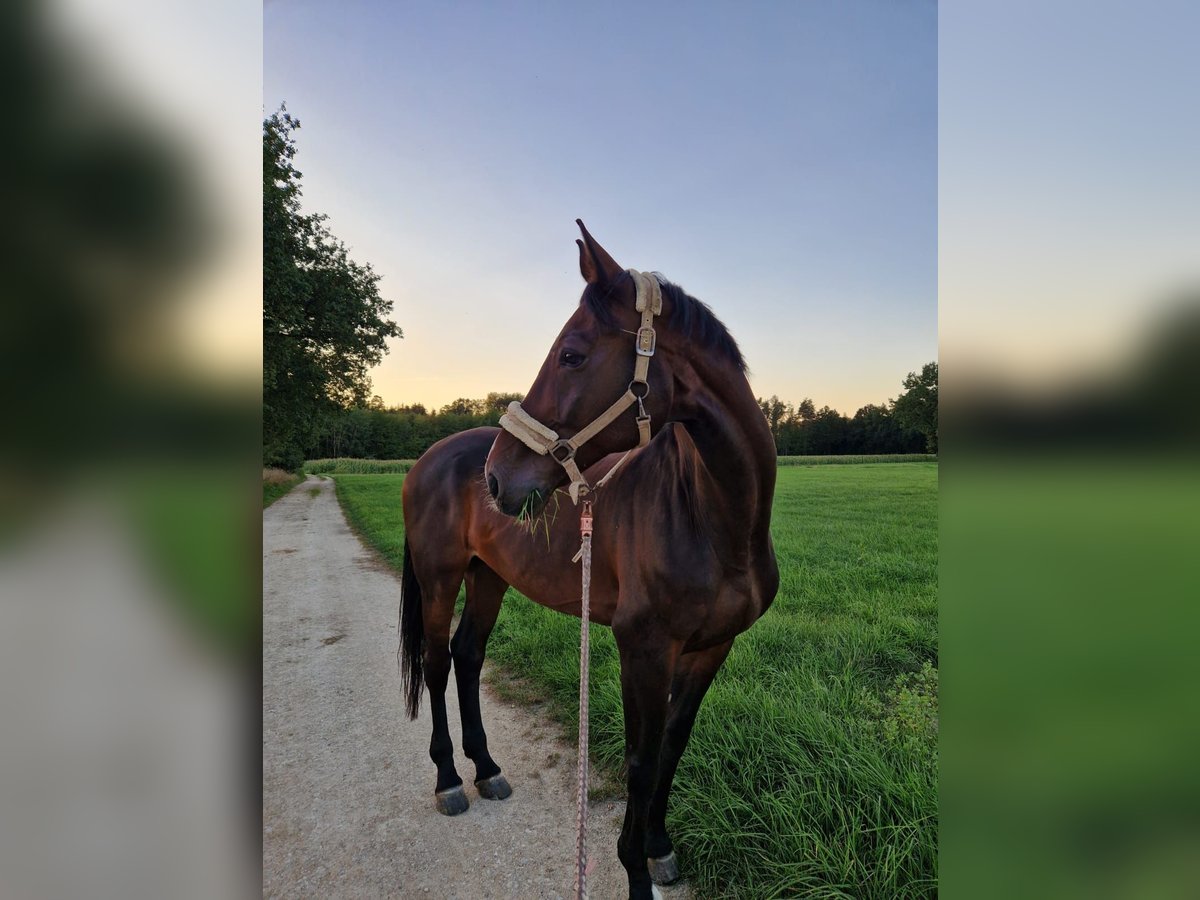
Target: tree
[(826, 432), (462, 407), (875, 430), (917, 407), (777, 413), (498, 402), (324, 321)]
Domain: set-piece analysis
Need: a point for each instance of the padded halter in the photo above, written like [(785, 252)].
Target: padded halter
[(545, 441)]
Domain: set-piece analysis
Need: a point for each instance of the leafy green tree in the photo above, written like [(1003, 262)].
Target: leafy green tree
[(917, 407), (462, 407), (498, 402), (827, 432), (875, 430), (324, 321), (777, 414)]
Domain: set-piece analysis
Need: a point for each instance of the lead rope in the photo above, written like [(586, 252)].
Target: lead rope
[(585, 550)]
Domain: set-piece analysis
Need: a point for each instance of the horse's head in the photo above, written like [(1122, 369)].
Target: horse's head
[(590, 366)]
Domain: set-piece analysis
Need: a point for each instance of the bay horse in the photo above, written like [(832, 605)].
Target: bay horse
[(682, 554)]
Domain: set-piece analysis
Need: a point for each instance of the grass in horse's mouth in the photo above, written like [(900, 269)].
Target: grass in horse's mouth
[(535, 512)]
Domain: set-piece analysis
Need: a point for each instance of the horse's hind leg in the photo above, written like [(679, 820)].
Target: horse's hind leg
[(439, 593), (694, 674), (485, 591)]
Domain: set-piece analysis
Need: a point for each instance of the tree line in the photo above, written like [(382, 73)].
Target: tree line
[(374, 431), (907, 424), (802, 430)]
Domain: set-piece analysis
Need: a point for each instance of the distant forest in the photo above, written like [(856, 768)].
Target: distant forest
[(405, 432)]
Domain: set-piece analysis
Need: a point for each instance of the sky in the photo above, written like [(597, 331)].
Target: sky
[(778, 161)]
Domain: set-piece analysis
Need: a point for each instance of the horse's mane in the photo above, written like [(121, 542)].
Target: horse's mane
[(689, 316)]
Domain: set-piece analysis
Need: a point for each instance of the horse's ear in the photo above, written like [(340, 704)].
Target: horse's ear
[(595, 265)]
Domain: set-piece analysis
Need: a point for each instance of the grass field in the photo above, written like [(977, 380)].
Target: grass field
[(812, 770)]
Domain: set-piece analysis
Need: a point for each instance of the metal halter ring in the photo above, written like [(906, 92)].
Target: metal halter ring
[(561, 444), (644, 384)]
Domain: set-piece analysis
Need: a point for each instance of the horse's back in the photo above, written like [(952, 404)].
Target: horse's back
[(439, 483), (457, 455)]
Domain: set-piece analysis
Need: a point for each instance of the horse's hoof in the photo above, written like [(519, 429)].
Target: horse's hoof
[(451, 801), (664, 870), (494, 788)]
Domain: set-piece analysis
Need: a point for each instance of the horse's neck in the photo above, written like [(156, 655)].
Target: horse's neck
[(731, 434)]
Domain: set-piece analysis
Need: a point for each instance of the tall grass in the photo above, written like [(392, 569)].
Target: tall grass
[(856, 460), (276, 483), (347, 466), (812, 768)]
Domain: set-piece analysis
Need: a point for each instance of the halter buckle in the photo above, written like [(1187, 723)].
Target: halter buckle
[(647, 340), (564, 445)]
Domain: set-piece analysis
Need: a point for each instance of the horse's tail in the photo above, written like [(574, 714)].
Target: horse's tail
[(412, 637)]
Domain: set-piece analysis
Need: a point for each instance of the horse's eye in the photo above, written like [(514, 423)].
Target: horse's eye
[(571, 359)]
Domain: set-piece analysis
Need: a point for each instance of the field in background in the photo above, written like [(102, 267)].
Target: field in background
[(347, 466), (813, 765), (276, 483), (856, 460)]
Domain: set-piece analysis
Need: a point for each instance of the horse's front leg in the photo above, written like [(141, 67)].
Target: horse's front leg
[(694, 674), (647, 663), (485, 592)]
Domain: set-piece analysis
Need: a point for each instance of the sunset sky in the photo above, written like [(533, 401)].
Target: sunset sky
[(779, 161)]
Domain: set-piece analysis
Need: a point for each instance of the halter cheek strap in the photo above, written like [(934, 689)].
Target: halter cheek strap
[(545, 441)]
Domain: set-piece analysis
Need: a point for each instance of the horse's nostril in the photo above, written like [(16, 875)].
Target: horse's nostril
[(493, 486)]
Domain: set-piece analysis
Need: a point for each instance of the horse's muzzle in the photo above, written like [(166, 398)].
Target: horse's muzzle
[(519, 486)]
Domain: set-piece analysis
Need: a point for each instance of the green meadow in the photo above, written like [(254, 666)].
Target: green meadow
[(812, 770)]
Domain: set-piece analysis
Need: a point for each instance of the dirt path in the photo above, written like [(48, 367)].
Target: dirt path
[(347, 780)]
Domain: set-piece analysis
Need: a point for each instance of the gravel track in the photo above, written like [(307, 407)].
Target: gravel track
[(347, 780)]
